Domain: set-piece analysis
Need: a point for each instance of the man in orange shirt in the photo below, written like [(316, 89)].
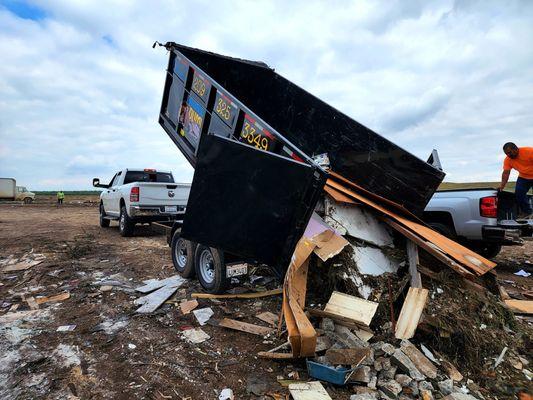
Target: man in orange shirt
[(521, 159)]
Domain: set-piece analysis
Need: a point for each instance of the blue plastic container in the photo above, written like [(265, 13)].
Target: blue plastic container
[(337, 376)]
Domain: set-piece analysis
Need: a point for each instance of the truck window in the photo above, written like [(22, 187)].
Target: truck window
[(115, 180), (143, 176)]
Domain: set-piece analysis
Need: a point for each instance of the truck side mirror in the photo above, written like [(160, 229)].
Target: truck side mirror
[(96, 182)]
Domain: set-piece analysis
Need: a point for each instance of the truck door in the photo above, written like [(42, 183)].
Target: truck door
[(250, 202), (115, 193)]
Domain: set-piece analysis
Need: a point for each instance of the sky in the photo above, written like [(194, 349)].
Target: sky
[(81, 86)]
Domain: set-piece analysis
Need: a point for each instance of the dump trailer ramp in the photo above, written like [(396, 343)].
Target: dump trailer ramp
[(250, 134)]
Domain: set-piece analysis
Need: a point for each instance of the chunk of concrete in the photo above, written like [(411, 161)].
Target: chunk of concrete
[(327, 324), (405, 364), (388, 373), (348, 338), (365, 396), (362, 374), (390, 387), (403, 379), (446, 387)]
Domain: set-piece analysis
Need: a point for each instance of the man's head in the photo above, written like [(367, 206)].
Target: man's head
[(510, 149)]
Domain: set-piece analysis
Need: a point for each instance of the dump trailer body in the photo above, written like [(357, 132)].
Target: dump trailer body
[(251, 135)]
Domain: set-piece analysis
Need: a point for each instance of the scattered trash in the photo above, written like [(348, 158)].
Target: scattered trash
[(195, 335), (187, 306), (226, 394), (165, 289), (54, 298), (131, 346), (523, 273), (203, 315), (66, 328), (500, 357)]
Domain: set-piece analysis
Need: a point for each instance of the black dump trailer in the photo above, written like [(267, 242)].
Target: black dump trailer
[(251, 136)]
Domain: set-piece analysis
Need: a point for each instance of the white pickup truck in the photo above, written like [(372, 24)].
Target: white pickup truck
[(141, 196)]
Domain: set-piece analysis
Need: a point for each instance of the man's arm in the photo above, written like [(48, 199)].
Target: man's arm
[(505, 178)]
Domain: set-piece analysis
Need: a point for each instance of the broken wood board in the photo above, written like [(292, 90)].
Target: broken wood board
[(153, 301), (363, 332), (352, 357), (153, 284), (188, 305), (21, 266), (411, 312), (421, 362), (412, 257), (308, 391), (358, 310), (253, 295), (245, 327), (268, 317), (306, 330), (328, 244), (50, 299), (467, 257), (520, 306), (275, 356)]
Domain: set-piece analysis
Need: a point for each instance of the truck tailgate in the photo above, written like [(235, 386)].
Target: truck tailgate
[(161, 194)]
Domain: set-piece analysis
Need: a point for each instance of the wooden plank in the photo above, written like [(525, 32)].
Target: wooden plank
[(305, 328), (422, 363), (411, 312), (352, 357), (153, 284), (275, 356), (470, 259), (245, 327), (188, 305), (520, 306), (339, 196), (253, 295), (50, 299), (268, 317), (412, 256), (153, 301), (308, 391), (430, 249), (353, 308)]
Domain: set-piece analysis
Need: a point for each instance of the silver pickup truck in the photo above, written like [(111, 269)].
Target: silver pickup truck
[(482, 219)]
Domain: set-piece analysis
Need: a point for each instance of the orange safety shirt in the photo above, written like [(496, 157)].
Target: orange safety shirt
[(523, 163)]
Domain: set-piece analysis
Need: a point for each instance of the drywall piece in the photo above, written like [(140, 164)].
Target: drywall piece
[(153, 284), (372, 261), (353, 308), (354, 221), (411, 312), (153, 301), (308, 391)]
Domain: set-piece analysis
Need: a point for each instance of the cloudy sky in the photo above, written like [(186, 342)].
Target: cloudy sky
[(80, 85)]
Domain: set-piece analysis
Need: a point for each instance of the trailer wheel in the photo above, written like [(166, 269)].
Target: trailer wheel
[(125, 223), (28, 200), (211, 269), (183, 255), (104, 222)]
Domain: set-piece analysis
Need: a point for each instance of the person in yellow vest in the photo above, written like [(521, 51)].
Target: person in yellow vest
[(60, 197), (521, 159)]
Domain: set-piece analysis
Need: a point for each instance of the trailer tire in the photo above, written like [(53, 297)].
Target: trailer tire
[(125, 223), (183, 255), (104, 222), (211, 269)]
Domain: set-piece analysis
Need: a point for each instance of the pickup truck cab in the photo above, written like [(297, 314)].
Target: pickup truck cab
[(141, 196), (481, 219)]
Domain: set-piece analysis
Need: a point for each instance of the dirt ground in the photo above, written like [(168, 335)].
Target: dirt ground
[(114, 353)]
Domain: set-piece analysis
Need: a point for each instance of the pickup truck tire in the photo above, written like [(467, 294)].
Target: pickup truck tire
[(183, 255), (125, 223), (487, 250), (104, 222), (211, 269), (443, 229)]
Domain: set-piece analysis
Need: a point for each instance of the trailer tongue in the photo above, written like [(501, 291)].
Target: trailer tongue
[(250, 135)]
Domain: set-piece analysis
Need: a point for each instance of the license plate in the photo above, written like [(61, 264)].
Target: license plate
[(236, 270), (171, 209)]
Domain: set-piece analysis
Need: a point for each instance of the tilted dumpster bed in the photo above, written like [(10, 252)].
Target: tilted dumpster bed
[(251, 134)]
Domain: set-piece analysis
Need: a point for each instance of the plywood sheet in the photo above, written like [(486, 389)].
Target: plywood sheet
[(521, 306), (411, 312), (308, 391), (352, 308)]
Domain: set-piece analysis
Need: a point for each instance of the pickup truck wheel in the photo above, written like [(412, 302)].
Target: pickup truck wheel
[(488, 250), (125, 223), (443, 229), (183, 255), (104, 222), (28, 200), (211, 269)]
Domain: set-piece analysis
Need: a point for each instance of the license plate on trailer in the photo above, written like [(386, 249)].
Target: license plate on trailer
[(236, 270), (171, 209)]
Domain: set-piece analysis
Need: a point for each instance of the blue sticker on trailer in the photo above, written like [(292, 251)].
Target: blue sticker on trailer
[(192, 119), (181, 67)]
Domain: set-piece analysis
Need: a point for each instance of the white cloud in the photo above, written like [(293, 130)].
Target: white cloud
[(80, 89)]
